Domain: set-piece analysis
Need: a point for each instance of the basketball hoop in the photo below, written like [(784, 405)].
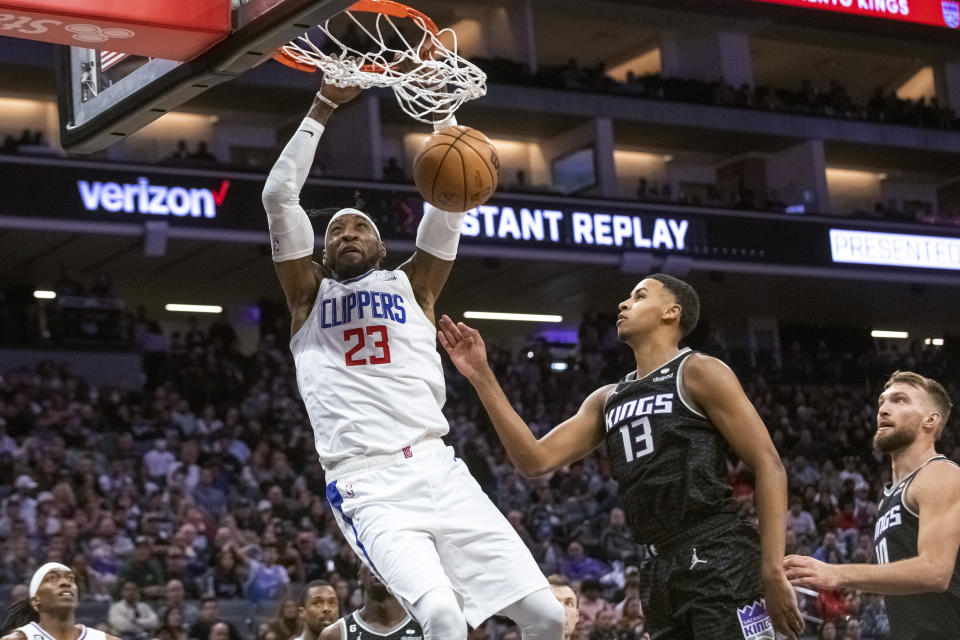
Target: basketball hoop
[(429, 80)]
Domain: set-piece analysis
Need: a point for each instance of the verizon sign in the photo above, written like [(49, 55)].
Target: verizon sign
[(939, 13), (151, 199)]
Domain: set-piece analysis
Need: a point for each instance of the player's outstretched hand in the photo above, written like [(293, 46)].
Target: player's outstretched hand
[(339, 95), (464, 345), (783, 609), (804, 571)]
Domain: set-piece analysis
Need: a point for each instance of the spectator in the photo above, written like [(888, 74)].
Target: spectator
[(207, 616), (853, 630), (548, 554), (393, 172), (804, 474), (176, 569), (173, 626), (873, 619), (180, 155), (159, 460), (224, 580), (312, 563), (287, 623), (800, 521), (830, 546), (579, 566), (617, 542), (208, 495), (591, 602), (202, 154), (851, 473), (24, 487), (174, 597), (19, 592), (267, 580), (143, 569), (220, 630), (132, 619), (847, 522), (195, 337), (631, 589), (604, 626), (828, 631), (631, 622)]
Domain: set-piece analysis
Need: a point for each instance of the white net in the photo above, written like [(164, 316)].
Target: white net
[(429, 88)]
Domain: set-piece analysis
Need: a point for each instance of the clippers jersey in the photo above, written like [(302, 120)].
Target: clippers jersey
[(922, 616), (668, 460), (353, 627), (34, 631), (368, 368)]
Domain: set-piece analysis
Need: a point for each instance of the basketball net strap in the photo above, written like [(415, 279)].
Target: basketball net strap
[(428, 89)]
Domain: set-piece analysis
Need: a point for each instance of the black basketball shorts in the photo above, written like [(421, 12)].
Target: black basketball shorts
[(707, 588)]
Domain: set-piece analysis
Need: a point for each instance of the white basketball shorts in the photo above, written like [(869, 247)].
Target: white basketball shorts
[(420, 521)]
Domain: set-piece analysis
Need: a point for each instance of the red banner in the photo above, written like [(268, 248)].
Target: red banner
[(939, 13), (170, 29)]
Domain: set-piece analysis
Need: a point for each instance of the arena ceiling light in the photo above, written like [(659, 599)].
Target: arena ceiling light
[(515, 317), (878, 333), (937, 342), (40, 294), (195, 308)]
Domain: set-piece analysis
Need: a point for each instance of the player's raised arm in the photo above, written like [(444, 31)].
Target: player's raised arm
[(714, 388), (291, 234), (936, 491), (438, 237), (567, 442)]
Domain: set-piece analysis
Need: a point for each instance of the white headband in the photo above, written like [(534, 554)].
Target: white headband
[(351, 212), (42, 573)]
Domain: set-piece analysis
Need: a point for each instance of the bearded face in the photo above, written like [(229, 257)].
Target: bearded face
[(901, 412)]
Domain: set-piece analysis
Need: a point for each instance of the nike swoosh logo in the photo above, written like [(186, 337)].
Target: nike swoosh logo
[(306, 131)]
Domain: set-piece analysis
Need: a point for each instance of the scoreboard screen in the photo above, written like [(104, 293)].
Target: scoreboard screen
[(938, 13)]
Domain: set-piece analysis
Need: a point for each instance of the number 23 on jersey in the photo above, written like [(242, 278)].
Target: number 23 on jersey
[(367, 345)]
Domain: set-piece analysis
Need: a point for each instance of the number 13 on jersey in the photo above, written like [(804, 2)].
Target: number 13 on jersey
[(637, 438), (358, 338)]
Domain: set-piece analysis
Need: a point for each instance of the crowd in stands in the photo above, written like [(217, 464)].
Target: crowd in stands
[(29, 142), (183, 157), (203, 487), (833, 101)]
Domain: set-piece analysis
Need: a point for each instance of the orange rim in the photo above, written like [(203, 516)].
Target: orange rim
[(386, 7)]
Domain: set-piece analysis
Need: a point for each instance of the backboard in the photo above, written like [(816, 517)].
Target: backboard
[(95, 113)]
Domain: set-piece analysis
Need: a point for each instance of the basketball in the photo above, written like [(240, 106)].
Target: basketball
[(457, 169)]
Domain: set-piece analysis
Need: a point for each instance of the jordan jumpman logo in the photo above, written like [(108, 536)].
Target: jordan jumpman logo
[(694, 561)]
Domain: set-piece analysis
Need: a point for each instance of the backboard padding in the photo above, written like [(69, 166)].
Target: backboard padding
[(260, 27)]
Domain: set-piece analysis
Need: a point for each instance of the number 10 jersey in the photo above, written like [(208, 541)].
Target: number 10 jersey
[(667, 458), (368, 368)]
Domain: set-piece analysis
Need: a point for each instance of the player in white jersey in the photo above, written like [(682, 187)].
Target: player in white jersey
[(369, 374), (49, 613)]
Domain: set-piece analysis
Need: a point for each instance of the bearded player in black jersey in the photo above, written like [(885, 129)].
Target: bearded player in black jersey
[(381, 616), (917, 535), (667, 428)]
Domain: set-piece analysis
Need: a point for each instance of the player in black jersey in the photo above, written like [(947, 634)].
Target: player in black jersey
[(917, 535), (319, 607), (381, 616), (667, 428)]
